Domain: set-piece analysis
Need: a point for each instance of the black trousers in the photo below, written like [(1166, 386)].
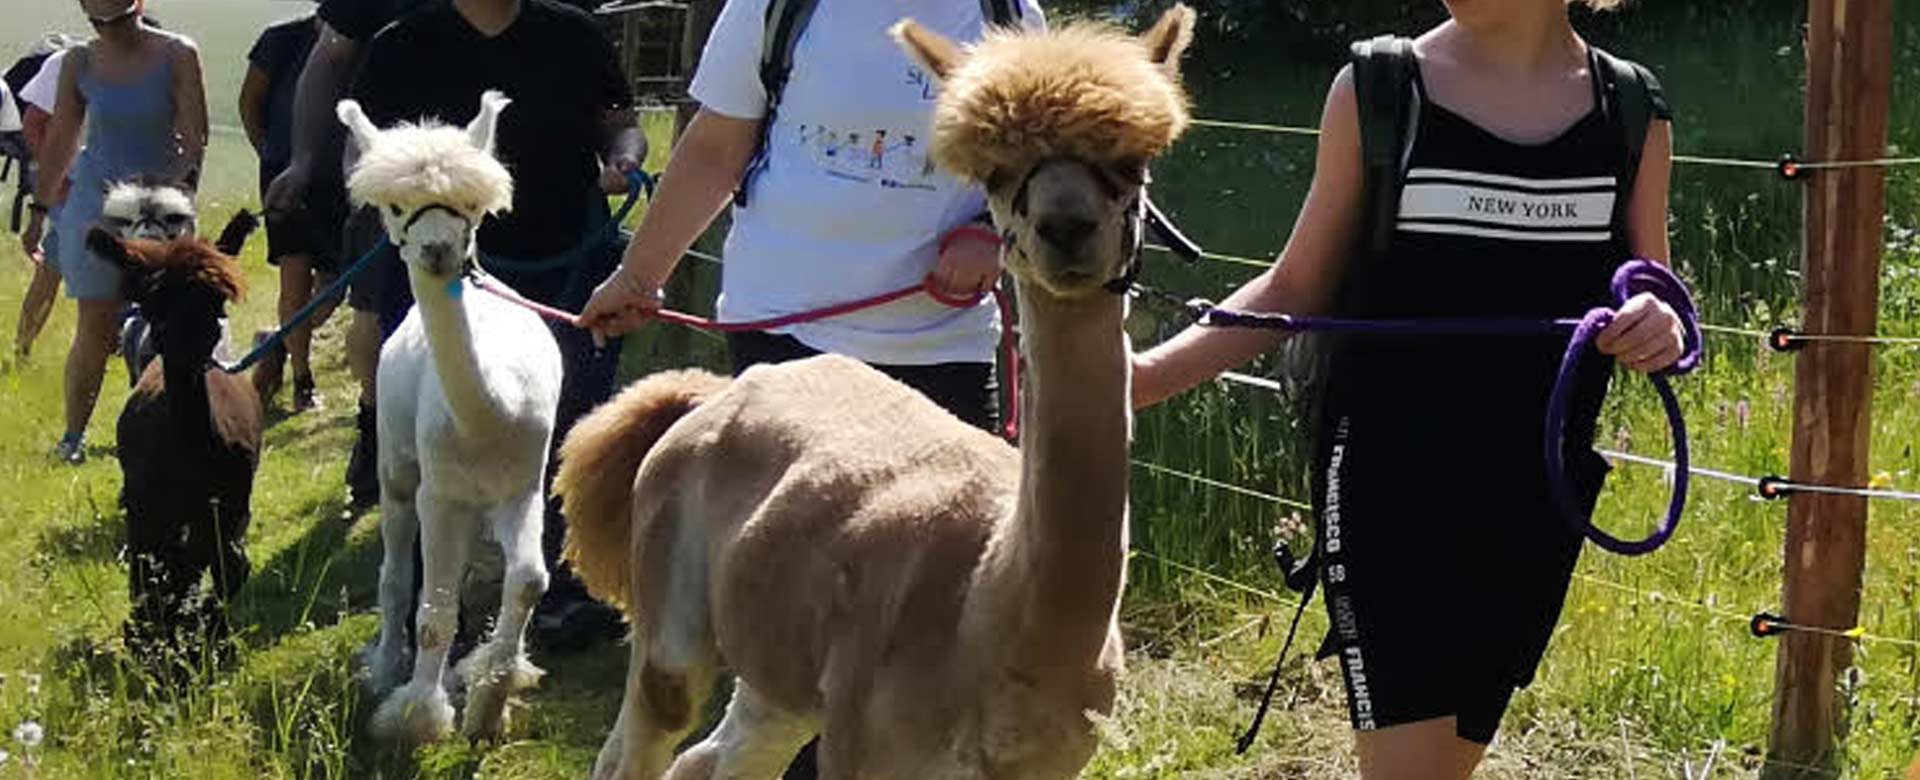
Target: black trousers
[(967, 390)]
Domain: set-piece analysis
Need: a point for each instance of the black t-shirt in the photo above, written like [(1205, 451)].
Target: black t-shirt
[(281, 53), (561, 73), (360, 19)]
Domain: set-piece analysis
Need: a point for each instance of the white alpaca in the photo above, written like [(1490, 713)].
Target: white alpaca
[(468, 388)]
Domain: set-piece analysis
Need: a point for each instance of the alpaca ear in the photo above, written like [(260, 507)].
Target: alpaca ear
[(358, 125), (1169, 37), (480, 130), (109, 247), (936, 55)]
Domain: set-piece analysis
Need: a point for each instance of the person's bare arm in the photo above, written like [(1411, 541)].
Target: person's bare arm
[(1304, 279), (1647, 211), (189, 114), (1646, 334), (33, 125), (253, 106), (699, 181), (322, 82), (63, 132)]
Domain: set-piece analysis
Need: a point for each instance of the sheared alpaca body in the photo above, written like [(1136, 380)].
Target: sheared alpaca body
[(188, 445), (931, 602), (468, 388)]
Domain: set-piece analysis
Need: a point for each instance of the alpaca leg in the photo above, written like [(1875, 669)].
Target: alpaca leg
[(755, 741), (419, 711), (499, 669), (662, 698), (387, 660), (672, 665)]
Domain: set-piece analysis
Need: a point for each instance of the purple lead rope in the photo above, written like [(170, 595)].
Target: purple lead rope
[(1633, 278)]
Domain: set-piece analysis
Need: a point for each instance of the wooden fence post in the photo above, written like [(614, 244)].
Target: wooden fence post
[(1849, 71)]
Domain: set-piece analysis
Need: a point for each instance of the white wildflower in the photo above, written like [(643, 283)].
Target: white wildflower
[(29, 734), (4, 755)]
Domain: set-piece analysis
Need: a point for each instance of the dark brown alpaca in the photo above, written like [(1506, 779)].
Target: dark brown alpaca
[(189, 442)]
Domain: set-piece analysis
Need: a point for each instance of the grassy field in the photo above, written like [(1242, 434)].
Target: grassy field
[(1651, 667)]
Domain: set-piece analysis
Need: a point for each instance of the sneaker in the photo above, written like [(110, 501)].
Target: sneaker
[(72, 450), (305, 397), (363, 467)]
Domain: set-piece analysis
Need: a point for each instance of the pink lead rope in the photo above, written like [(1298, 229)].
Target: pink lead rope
[(1009, 343)]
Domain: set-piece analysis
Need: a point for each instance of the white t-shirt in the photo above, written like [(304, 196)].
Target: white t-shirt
[(9, 113), (43, 90), (849, 205)]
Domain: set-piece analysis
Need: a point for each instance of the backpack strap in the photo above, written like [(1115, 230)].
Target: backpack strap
[(1631, 98), (1000, 13), (786, 19), (1383, 74)]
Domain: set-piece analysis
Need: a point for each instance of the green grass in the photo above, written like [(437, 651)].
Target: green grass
[(1651, 664)]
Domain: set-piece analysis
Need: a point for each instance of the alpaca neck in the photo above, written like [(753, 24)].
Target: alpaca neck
[(456, 361), (1065, 550), (184, 354)]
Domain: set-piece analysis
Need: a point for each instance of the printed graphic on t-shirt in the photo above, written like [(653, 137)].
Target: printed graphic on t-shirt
[(886, 158), (1483, 205)]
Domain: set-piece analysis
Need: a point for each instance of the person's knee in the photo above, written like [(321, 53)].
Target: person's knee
[(1426, 750)]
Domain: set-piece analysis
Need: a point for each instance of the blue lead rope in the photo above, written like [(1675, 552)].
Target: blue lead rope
[(638, 182), (274, 340)]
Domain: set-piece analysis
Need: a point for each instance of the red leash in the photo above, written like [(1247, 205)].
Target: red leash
[(1009, 344)]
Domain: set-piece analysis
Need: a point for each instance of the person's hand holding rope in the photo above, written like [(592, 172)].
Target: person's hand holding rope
[(969, 263), (619, 305), (614, 174), (1646, 335)]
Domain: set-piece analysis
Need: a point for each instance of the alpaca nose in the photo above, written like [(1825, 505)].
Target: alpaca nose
[(1065, 232), (438, 257)]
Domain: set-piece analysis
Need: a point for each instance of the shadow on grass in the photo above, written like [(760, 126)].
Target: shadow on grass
[(312, 582), (97, 539)]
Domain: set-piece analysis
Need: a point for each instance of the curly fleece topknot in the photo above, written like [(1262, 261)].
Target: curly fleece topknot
[(1088, 91), (430, 163)]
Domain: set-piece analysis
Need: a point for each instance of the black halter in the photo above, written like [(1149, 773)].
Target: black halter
[(419, 213), (1142, 217)]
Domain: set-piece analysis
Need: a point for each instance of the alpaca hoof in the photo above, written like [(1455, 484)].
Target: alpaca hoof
[(490, 686), (387, 668), (414, 715)]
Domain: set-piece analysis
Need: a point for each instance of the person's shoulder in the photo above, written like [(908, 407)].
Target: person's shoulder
[(178, 44), (567, 17), (291, 29), (419, 22)]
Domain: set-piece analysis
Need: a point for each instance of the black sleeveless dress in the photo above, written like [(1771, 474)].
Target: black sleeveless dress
[(1445, 559)]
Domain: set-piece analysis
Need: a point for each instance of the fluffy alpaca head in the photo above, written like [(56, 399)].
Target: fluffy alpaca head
[(432, 183), (182, 281), (1059, 127), (148, 208)]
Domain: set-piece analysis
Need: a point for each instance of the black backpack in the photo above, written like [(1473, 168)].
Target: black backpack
[(786, 20)]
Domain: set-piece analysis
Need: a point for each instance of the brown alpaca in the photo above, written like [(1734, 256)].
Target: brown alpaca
[(929, 601), (188, 445)]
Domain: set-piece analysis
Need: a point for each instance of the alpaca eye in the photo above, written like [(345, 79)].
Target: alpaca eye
[(393, 209)]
